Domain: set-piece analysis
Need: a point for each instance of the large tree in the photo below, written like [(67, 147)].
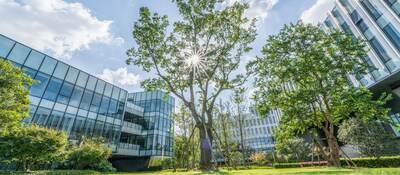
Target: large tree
[(304, 72), (14, 96), (195, 58)]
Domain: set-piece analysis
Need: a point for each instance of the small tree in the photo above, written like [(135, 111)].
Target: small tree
[(304, 73), (369, 137), (32, 146), (90, 154), (14, 96)]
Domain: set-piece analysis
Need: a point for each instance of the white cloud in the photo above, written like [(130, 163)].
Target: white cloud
[(120, 76), (54, 26), (317, 13), (257, 8)]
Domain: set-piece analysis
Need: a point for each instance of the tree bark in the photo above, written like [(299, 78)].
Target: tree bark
[(334, 151), (205, 148)]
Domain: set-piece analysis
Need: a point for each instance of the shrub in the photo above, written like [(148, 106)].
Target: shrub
[(258, 158), (90, 155), (369, 162), (286, 165), (33, 146)]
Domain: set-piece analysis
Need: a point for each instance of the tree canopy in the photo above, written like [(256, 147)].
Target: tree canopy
[(14, 96), (304, 72), (195, 58)]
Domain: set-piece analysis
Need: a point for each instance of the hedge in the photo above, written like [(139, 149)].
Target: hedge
[(390, 161), (286, 165)]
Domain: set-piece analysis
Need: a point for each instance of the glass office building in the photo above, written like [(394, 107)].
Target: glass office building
[(378, 23), (66, 98)]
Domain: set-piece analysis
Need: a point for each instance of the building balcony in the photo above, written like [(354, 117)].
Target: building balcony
[(133, 109), (127, 149), (131, 128)]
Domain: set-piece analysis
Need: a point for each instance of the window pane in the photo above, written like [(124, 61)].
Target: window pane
[(104, 105), (89, 126), (108, 90), (54, 119), (19, 53), (52, 89), (86, 99), (48, 65), (34, 60), (41, 116), (115, 92), (66, 123), (77, 129), (5, 46), (91, 83), (94, 107), (61, 70), (72, 75), (38, 88), (100, 86), (30, 72), (76, 96), (65, 93), (82, 79), (112, 110)]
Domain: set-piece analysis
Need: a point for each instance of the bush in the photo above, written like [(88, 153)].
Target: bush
[(258, 158), (286, 165), (91, 155), (33, 147), (368, 162)]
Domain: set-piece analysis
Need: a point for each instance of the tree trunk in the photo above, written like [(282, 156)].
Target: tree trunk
[(205, 148), (334, 153)]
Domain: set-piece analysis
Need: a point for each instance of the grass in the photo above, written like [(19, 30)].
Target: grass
[(285, 171), (256, 171)]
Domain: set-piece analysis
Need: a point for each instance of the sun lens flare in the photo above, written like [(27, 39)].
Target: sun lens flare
[(195, 61)]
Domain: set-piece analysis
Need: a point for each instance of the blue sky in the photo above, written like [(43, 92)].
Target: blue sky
[(93, 35)]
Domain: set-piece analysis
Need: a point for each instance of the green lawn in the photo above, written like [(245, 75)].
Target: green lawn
[(287, 171), (257, 171)]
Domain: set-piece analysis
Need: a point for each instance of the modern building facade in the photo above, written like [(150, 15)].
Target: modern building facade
[(378, 23), (258, 131), (136, 125)]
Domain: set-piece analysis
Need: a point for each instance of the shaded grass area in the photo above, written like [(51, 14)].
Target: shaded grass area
[(286, 171), (256, 171)]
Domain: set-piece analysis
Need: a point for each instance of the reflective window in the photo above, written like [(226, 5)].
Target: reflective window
[(78, 126), (91, 84), (94, 107), (98, 128), (41, 116), (82, 79), (5, 46), (30, 72), (374, 13), (104, 105), (65, 93), (100, 86), (86, 99), (112, 110), (76, 96), (108, 89), (60, 70), (72, 75), (66, 123), (55, 119), (393, 35), (52, 89), (48, 65), (19, 53), (379, 50), (38, 88), (34, 60), (115, 92), (89, 126)]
